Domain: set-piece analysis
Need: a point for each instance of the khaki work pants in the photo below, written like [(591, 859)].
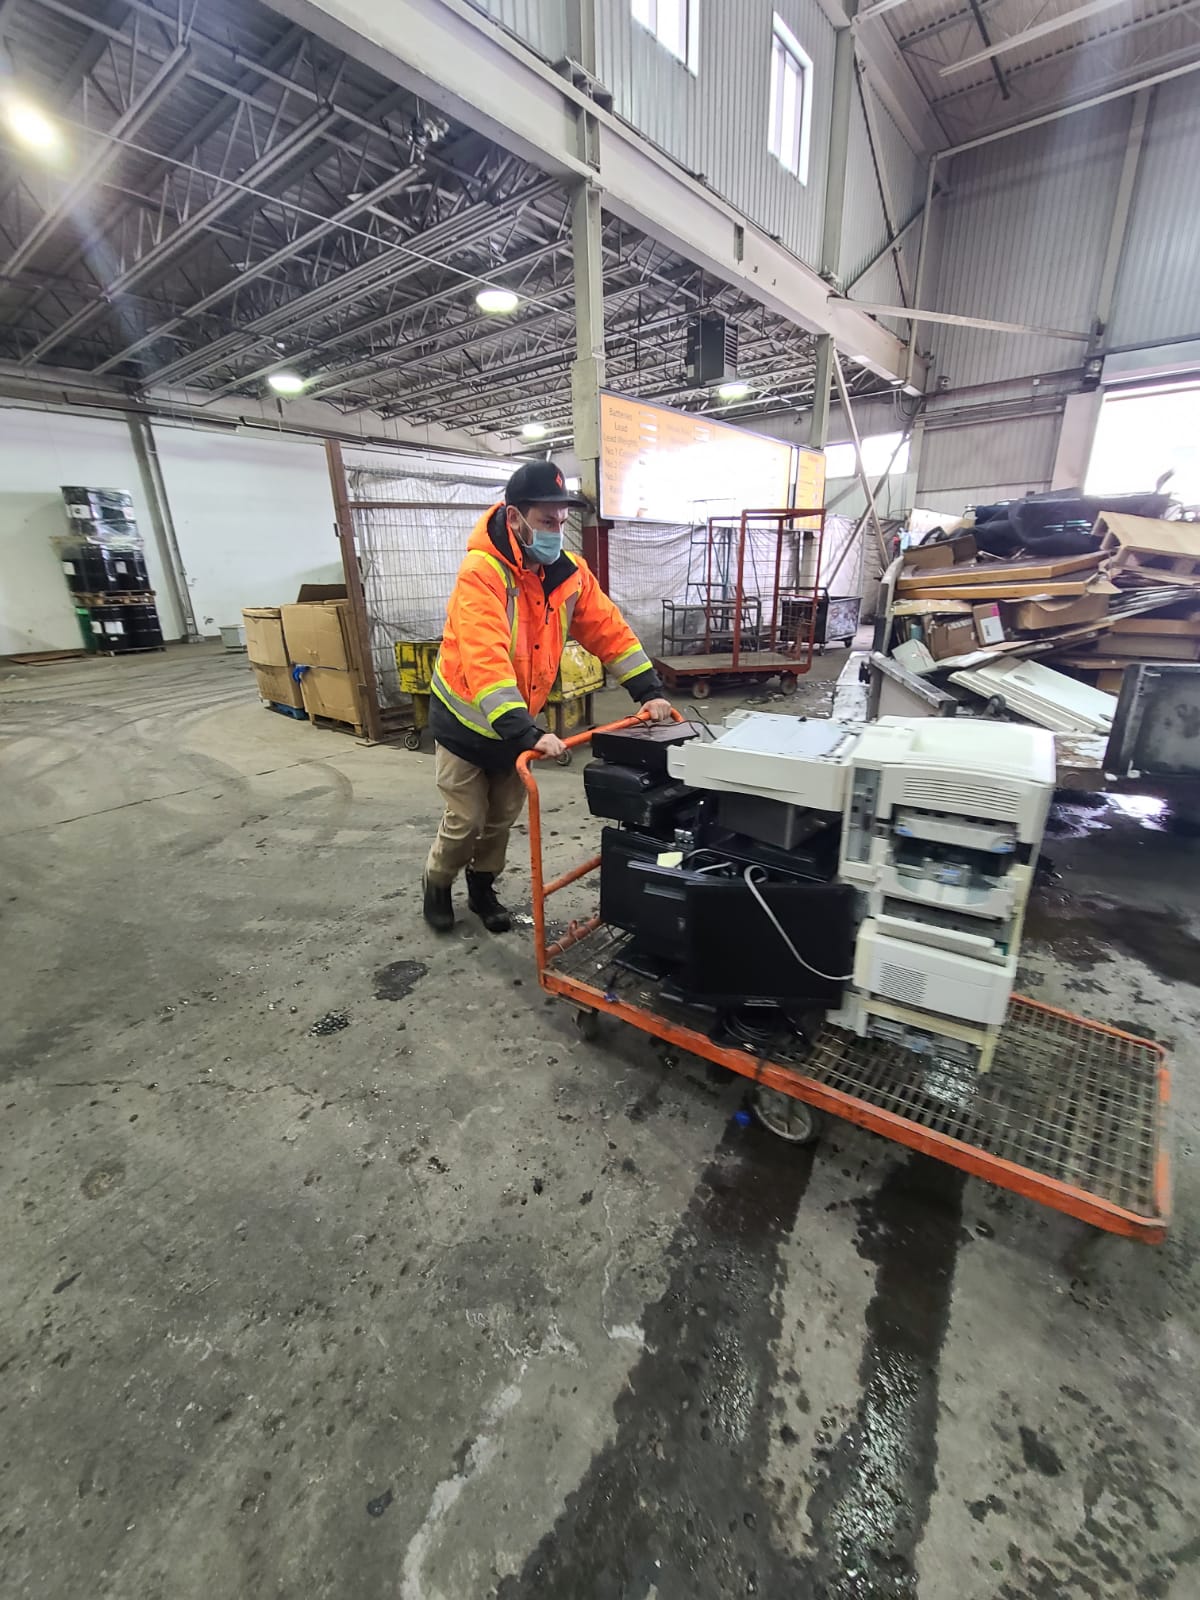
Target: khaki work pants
[(481, 808)]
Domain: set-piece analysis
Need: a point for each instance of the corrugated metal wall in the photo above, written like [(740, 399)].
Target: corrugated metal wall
[(1026, 224), (969, 465), (714, 121), (1158, 288), (541, 23)]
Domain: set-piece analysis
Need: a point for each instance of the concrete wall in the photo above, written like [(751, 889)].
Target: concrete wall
[(253, 516)]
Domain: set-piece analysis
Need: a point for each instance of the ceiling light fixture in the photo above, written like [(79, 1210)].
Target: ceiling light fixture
[(533, 430), (286, 382), (735, 389), (30, 126), (496, 302)]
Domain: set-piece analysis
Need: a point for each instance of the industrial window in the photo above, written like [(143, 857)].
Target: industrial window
[(1143, 433), (673, 24), (791, 101), (878, 450)]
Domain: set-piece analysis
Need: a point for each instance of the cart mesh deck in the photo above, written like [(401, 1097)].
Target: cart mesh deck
[(1072, 1113)]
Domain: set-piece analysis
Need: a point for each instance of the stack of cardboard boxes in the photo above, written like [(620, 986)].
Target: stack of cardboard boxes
[(1135, 598), (316, 634)]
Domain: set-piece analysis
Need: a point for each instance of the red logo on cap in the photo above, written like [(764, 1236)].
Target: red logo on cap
[(558, 478)]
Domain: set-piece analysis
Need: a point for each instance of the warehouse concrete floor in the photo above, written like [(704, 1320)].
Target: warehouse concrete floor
[(337, 1266)]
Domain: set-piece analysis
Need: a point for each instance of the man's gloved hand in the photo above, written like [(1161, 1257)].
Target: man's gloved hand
[(658, 710), (550, 745)]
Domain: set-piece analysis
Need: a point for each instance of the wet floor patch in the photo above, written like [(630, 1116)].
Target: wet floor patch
[(674, 1506), (398, 979), (1082, 931), (869, 1509)]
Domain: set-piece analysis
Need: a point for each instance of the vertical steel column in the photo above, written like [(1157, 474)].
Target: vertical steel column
[(1126, 187), (155, 490), (831, 227), (354, 587), (818, 422), (587, 370)]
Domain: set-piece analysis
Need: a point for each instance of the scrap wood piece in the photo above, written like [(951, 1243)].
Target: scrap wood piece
[(1022, 589), (1027, 569), (1149, 549)]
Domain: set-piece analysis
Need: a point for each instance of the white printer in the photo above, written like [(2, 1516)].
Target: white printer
[(940, 826)]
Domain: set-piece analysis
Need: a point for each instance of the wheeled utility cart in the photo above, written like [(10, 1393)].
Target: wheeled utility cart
[(1072, 1113)]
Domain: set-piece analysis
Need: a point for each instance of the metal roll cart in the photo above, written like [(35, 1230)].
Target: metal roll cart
[(1072, 1114), (737, 641)]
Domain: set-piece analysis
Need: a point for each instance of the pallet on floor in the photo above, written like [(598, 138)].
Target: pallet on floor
[(287, 711), (336, 725), (43, 658)]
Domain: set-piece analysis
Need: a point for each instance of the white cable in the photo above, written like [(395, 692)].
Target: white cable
[(779, 929)]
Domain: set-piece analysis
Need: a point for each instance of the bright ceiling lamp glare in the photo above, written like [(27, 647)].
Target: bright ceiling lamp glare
[(286, 382), (735, 389), (32, 128), (496, 302), (533, 430)]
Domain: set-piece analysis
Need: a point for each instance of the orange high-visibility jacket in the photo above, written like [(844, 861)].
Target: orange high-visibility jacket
[(505, 630)]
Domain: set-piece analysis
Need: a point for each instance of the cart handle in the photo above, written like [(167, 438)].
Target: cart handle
[(541, 889)]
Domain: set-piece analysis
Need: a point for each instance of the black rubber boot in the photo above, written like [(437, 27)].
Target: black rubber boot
[(481, 897), (438, 908)]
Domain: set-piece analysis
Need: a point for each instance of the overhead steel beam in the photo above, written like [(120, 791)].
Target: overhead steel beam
[(103, 153), (260, 171), (344, 288), (382, 191), (988, 323), (451, 55), (1039, 30), (208, 124)]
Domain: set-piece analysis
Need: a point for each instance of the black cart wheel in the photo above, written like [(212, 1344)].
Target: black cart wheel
[(784, 1116), (701, 689), (788, 682), (997, 705), (588, 1023), (563, 760), (412, 739)]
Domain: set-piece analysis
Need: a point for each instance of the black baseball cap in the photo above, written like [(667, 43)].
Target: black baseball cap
[(540, 483)]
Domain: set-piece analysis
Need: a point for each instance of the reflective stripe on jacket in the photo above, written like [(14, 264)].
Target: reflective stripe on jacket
[(506, 627)]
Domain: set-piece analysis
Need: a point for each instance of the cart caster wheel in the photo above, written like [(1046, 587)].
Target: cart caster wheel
[(563, 760), (588, 1024), (412, 739), (701, 689), (784, 1116), (787, 682), (997, 705)]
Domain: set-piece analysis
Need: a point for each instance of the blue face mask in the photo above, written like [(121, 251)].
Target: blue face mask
[(543, 548)]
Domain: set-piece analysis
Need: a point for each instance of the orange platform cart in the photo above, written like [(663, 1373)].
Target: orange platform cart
[(1073, 1114)]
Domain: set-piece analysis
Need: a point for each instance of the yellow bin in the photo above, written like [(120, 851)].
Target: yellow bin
[(570, 707)]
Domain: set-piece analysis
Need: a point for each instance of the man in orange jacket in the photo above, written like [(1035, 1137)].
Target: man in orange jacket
[(517, 599)]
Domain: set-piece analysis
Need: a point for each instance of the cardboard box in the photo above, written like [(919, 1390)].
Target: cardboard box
[(277, 685), (264, 637), (1156, 624), (321, 634), (988, 627), (953, 637), (330, 693), (1041, 613), (946, 552)]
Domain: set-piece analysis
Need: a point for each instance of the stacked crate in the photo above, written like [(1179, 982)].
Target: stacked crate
[(104, 562)]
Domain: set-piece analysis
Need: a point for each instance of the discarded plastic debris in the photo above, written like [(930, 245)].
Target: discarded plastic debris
[(331, 1022)]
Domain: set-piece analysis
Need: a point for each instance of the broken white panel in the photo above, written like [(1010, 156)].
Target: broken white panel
[(1041, 695)]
